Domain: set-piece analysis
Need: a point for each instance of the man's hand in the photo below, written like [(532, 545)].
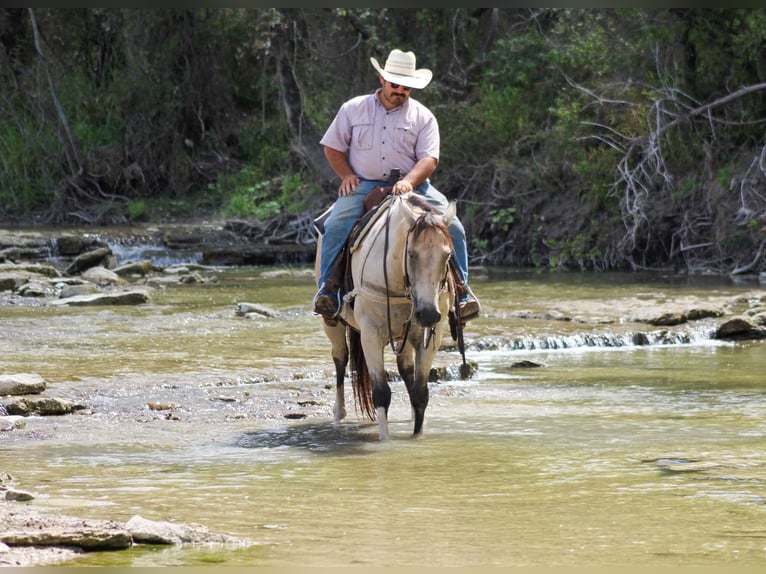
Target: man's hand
[(402, 186), (348, 184)]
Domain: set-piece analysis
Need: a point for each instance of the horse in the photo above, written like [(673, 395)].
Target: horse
[(400, 271)]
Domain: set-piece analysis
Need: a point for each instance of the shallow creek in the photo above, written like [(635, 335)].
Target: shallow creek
[(609, 454)]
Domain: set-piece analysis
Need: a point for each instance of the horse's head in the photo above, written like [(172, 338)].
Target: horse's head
[(426, 263)]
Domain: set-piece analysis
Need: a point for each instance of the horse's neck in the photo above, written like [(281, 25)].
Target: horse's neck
[(385, 244)]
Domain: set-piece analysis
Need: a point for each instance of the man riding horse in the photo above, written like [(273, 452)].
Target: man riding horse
[(372, 137)]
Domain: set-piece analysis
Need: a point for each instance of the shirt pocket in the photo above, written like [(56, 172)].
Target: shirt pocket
[(361, 136), (405, 138)]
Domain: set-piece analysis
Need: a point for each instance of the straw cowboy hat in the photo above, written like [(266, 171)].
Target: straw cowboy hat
[(400, 69)]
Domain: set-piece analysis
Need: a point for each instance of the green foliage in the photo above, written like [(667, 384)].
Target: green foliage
[(502, 219), (564, 253), (137, 209), (246, 194), (29, 156), (91, 112), (263, 146)]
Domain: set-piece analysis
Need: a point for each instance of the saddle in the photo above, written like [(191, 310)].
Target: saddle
[(340, 275)]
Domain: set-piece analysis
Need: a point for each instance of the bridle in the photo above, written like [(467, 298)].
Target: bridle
[(446, 283)]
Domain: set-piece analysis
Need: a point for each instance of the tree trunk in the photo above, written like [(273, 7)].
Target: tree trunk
[(305, 133)]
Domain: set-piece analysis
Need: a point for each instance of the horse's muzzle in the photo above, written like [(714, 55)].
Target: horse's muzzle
[(427, 316)]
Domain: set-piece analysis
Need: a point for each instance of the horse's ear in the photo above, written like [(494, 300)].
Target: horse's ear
[(449, 215)]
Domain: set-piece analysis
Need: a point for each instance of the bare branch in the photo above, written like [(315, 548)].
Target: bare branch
[(72, 155)]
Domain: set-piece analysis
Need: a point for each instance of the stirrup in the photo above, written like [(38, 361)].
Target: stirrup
[(470, 308), (322, 301)]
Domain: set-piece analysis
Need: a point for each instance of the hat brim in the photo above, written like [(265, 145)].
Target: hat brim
[(419, 81)]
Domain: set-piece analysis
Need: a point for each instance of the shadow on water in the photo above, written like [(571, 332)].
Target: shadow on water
[(320, 438)]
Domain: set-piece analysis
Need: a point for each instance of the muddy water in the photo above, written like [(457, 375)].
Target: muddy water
[(609, 454)]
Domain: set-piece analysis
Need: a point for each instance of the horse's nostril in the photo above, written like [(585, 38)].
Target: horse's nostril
[(427, 317)]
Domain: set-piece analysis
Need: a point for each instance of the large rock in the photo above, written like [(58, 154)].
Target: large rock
[(90, 535), (88, 260), (21, 384), (739, 328), (161, 532), (142, 268), (39, 405), (102, 276), (36, 268), (133, 297)]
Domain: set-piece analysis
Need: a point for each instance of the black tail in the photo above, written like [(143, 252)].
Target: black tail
[(360, 376)]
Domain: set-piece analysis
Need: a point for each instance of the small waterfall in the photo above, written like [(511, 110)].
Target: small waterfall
[(159, 254), (662, 337), (138, 248)]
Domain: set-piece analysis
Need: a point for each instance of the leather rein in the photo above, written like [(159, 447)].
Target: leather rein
[(428, 334)]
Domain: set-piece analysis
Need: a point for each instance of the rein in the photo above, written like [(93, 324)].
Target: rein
[(408, 322), (429, 333)]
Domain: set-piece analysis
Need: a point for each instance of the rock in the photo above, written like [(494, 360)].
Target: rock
[(91, 535), (133, 297), (77, 290), (161, 532), (152, 532), (738, 328), (455, 372), (526, 364), (11, 422), (18, 495), (36, 289), (697, 314), (15, 280), (176, 270), (43, 406), (191, 278), (668, 319), (21, 384), (87, 260), (70, 245), (141, 268), (36, 268), (245, 309), (157, 406), (102, 276)]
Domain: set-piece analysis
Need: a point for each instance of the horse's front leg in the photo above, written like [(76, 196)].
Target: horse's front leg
[(381, 398), (381, 391), (337, 336), (416, 381)]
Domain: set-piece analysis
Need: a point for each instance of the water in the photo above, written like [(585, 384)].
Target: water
[(607, 454)]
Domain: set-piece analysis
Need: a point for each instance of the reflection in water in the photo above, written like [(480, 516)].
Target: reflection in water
[(634, 454), (320, 438)]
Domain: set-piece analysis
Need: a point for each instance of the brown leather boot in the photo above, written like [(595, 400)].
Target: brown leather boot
[(327, 302), (470, 308)]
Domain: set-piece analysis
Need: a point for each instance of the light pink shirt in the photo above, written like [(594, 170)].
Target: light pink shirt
[(378, 140)]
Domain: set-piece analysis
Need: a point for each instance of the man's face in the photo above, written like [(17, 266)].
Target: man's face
[(393, 95)]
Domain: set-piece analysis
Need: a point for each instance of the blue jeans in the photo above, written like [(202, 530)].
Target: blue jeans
[(348, 209)]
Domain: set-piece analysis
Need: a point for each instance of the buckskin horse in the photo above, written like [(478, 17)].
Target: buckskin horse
[(400, 294)]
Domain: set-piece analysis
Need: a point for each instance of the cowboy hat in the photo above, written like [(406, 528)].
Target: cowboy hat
[(400, 69)]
